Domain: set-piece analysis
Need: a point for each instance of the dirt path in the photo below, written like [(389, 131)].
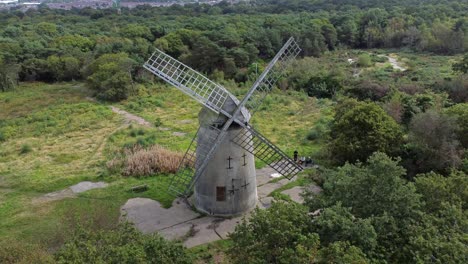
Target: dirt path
[(129, 118), (394, 62)]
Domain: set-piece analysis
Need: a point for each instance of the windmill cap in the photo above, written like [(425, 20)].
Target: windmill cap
[(207, 117)]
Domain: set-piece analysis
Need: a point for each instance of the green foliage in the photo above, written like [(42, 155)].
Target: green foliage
[(461, 66), (359, 129), (25, 148), (111, 76), (342, 253), (460, 113), (75, 41), (64, 68), (433, 139), (277, 235), (123, 245), (8, 76), (46, 28), (377, 189), (364, 60), (336, 223), (324, 86), (438, 190)]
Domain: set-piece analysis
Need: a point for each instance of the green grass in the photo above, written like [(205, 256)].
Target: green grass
[(302, 180), (214, 252)]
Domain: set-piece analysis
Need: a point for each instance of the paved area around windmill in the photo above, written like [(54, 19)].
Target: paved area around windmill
[(182, 223)]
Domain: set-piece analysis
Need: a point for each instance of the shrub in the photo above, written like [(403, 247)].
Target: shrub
[(369, 90), (411, 89), (457, 89), (2, 137), (324, 86), (360, 129), (25, 148), (313, 134), (364, 60), (123, 245), (139, 161), (21, 252)]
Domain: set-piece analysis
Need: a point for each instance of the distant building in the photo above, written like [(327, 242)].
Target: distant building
[(8, 2)]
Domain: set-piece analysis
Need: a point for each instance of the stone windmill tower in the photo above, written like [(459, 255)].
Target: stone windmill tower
[(219, 164)]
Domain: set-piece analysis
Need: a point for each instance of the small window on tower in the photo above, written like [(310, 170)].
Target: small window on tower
[(220, 193)]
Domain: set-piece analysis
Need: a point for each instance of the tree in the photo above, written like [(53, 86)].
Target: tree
[(324, 86), (123, 245), (75, 41), (438, 190), (461, 66), (432, 136), (377, 194), (277, 235), (369, 190), (459, 113), (136, 31), (360, 130), (205, 55), (8, 76), (342, 253), (336, 223), (110, 76), (64, 68)]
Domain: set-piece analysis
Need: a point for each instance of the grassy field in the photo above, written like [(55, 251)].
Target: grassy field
[(54, 136)]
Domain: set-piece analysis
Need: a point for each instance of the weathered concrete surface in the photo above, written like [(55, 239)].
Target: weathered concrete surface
[(70, 192), (181, 223), (263, 175), (86, 186), (295, 194), (149, 216), (265, 189)]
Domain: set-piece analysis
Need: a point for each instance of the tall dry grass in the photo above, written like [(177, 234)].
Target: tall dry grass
[(138, 161)]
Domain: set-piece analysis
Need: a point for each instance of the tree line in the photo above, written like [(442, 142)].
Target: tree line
[(57, 45)]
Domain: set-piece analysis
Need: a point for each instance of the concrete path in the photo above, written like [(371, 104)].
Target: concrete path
[(180, 222), (70, 192)]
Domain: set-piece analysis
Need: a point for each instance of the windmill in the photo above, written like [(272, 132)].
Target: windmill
[(219, 163)]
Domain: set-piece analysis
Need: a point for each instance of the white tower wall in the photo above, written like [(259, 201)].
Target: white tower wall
[(228, 185)]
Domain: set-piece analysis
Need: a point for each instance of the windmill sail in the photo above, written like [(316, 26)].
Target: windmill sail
[(278, 66), (258, 145), (192, 161), (188, 80)]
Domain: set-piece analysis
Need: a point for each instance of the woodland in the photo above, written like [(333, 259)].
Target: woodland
[(391, 144)]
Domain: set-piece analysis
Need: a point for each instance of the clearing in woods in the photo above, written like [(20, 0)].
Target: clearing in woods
[(55, 137)]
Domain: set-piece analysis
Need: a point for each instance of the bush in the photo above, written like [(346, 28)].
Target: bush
[(360, 129), (323, 86), (312, 135), (138, 161), (2, 137), (457, 89), (364, 60), (123, 245), (280, 234), (25, 148), (21, 252), (369, 90)]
